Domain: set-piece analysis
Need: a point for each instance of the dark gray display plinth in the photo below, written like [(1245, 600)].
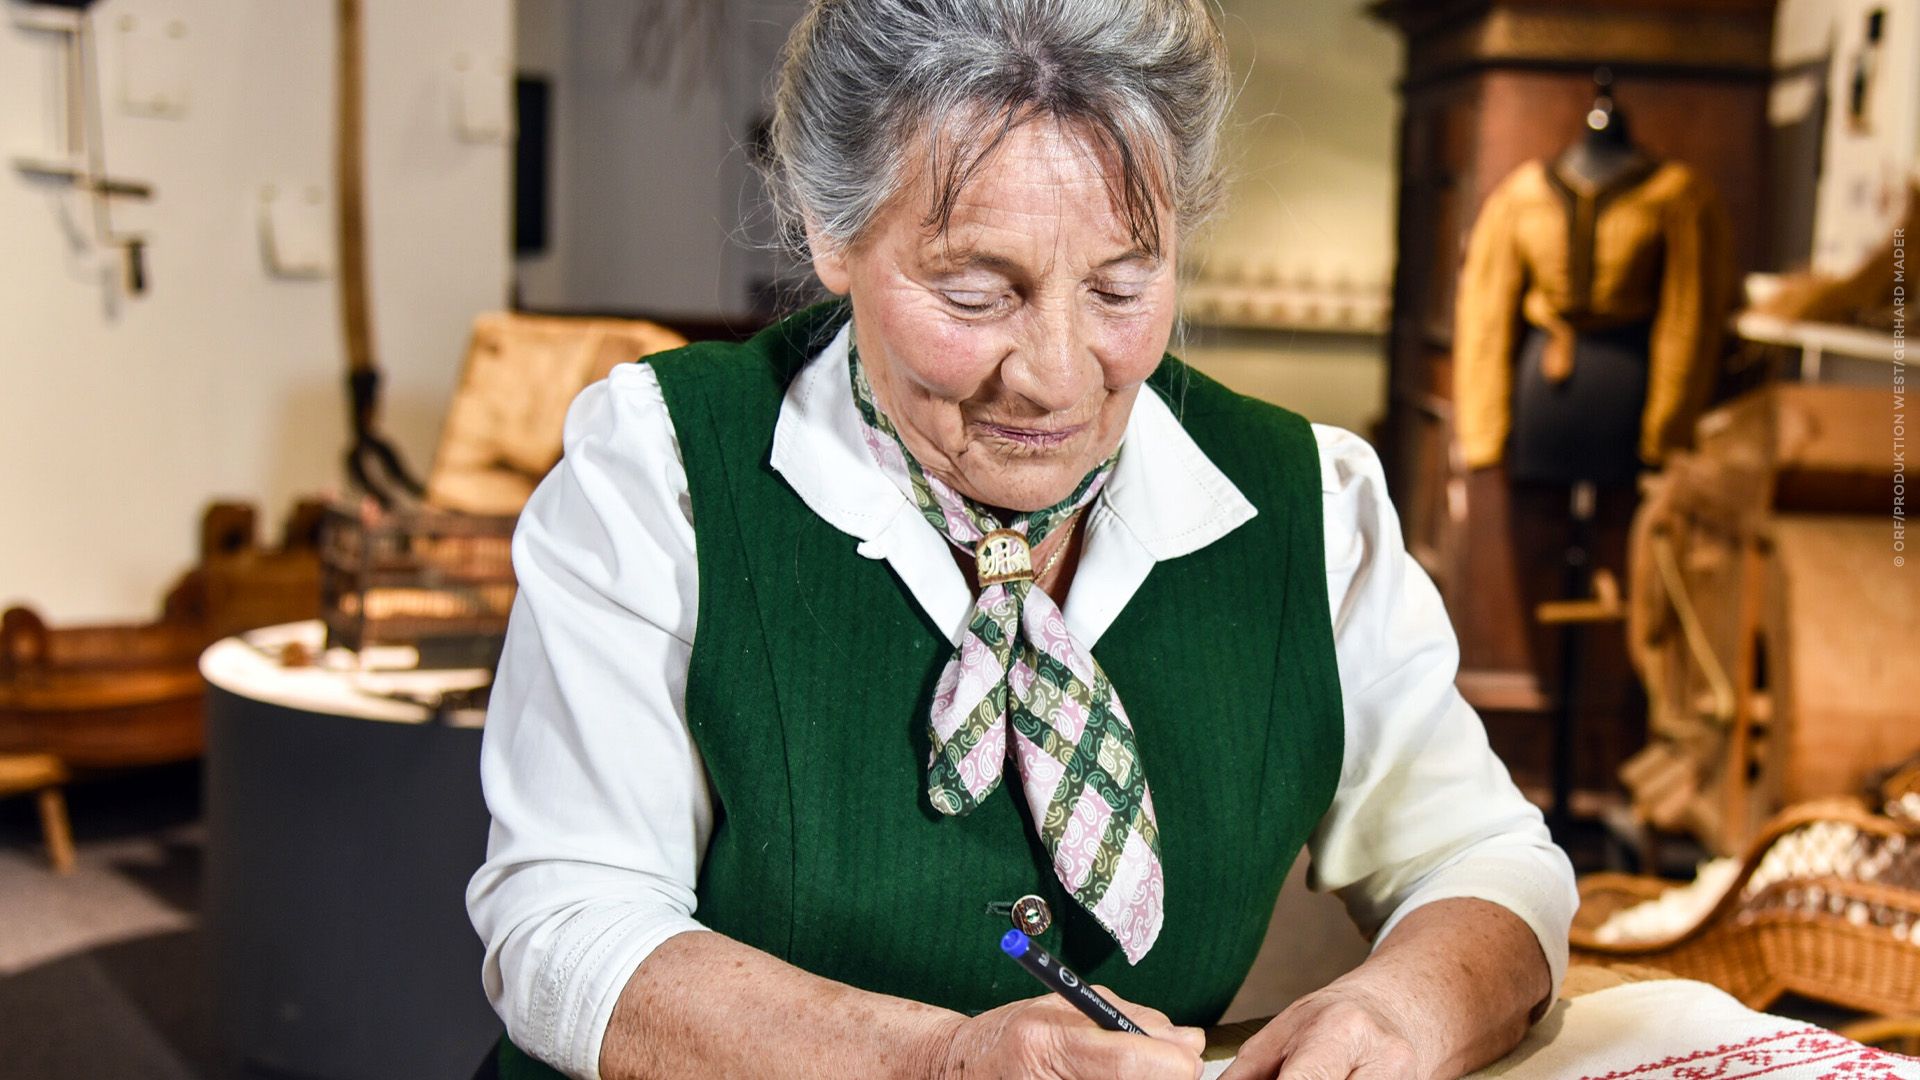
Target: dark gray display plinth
[(339, 850)]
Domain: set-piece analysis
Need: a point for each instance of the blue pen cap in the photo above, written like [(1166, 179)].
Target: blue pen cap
[(1014, 943)]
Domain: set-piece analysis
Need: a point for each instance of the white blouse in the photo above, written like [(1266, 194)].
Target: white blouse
[(601, 810)]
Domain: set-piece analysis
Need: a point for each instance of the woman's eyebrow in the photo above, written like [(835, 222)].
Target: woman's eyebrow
[(970, 259), (1139, 255), (951, 259)]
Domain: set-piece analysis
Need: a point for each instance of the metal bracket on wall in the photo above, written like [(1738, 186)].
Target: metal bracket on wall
[(81, 158)]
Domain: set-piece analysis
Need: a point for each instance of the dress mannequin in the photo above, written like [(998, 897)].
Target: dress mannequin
[(1585, 425), (1590, 310), (1584, 346), (1606, 151)]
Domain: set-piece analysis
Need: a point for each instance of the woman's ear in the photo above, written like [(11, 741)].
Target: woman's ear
[(829, 261)]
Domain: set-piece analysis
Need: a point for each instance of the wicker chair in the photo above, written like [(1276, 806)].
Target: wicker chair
[(1900, 1034), (1836, 937), (503, 428)]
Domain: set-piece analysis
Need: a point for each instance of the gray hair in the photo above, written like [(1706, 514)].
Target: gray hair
[(866, 84)]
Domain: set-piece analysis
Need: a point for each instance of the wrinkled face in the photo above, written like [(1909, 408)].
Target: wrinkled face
[(1008, 350)]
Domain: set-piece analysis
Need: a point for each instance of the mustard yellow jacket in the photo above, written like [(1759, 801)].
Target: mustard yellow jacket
[(1651, 246)]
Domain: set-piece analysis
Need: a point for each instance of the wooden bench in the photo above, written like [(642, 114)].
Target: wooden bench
[(41, 775)]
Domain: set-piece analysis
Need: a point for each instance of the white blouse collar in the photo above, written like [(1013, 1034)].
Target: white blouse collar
[(1170, 496), (1165, 499)]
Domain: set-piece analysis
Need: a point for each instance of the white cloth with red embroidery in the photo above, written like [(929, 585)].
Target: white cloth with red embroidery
[(1678, 1029)]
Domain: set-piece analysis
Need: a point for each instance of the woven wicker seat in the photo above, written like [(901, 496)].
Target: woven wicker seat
[(1821, 930), (1900, 1034)]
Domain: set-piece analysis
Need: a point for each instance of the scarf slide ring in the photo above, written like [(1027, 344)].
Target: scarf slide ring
[(1003, 556)]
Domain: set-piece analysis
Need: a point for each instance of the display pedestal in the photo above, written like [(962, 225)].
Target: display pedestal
[(340, 840)]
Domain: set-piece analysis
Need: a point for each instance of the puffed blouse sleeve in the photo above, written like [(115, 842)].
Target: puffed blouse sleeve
[(1486, 314), (1424, 810), (599, 800)]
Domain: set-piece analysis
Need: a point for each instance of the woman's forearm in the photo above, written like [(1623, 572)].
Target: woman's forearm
[(703, 1004), (1463, 974), (1468, 973)]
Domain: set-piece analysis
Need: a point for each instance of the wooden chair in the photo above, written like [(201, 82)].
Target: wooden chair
[(123, 695), (41, 775), (1900, 1034), (503, 426)]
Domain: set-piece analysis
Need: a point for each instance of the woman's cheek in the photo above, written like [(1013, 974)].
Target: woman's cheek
[(949, 357), (908, 321), (1131, 348)]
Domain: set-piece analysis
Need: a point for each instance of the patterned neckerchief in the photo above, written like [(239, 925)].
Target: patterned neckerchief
[(1018, 667)]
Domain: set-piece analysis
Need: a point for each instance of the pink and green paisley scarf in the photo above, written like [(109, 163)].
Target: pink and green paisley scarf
[(1019, 670)]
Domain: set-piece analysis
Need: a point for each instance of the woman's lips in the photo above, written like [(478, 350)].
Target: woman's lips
[(1040, 437)]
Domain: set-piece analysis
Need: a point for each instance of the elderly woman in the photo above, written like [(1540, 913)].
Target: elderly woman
[(958, 597)]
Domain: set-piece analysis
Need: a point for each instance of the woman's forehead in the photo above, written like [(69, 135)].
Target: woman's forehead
[(1043, 182)]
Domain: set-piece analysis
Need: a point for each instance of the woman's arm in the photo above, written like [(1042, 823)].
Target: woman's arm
[(1437, 855), (1448, 991), (599, 800), (706, 1005)]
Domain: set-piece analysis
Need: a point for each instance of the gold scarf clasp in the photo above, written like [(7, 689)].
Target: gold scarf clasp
[(1002, 556)]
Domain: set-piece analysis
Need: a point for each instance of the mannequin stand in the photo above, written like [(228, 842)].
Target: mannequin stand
[(1594, 597), (1578, 569)]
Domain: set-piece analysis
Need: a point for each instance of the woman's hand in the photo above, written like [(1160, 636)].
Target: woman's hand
[(1045, 1038), (1448, 991), (1345, 1030)]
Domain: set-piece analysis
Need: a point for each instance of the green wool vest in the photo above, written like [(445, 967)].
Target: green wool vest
[(812, 672)]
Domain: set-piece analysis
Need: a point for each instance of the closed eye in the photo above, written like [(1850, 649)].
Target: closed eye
[(971, 303)]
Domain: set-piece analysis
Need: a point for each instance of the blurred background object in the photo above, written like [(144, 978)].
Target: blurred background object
[(108, 696), (1759, 602)]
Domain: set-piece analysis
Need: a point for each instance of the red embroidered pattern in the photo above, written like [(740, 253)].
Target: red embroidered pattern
[(1803, 1054)]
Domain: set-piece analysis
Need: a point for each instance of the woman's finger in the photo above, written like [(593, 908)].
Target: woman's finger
[(1082, 1054), (1321, 1059), (1156, 1023)]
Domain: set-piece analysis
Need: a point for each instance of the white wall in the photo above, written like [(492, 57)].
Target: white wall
[(1831, 205), (650, 174), (1311, 139), (119, 421), (543, 42), (1311, 146), (1865, 171)]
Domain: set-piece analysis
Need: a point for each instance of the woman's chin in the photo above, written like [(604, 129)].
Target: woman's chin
[(1028, 483)]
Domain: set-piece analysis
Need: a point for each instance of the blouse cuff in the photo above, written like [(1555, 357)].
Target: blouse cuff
[(593, 961)]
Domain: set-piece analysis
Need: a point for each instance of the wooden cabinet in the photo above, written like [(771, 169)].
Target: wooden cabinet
[(1487, 87)]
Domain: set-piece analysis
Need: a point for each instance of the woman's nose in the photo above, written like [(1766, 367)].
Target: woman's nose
[(1051, 366)]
